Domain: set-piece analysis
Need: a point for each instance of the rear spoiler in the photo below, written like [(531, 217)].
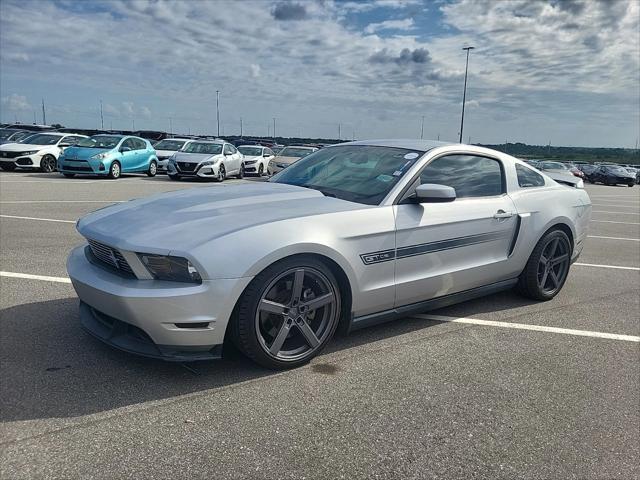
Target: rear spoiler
[(566, 179)]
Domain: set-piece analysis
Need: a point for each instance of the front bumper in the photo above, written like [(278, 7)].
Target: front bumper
[(23, 161), (201, 171), (86, 167), (168, 320)]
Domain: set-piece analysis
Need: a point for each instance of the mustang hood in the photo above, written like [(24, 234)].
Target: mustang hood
[(188, 218)]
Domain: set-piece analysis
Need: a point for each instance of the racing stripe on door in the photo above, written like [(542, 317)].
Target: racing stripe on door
[(431, 247)]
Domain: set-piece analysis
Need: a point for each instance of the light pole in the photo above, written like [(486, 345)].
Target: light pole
[(101, 117), (240, 127), (218, 111), (170, 126), (422, 129), (274, 129), (464, 93)]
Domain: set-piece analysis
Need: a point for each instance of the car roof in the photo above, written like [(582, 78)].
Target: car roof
[(178, 138), (57, 134), (409, 144), (252, 145), (217, 142)]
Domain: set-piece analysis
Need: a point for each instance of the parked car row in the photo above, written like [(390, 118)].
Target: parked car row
[(111, 155), (606, 173)]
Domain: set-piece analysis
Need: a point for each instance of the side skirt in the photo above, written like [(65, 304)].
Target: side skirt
[(439, 302)]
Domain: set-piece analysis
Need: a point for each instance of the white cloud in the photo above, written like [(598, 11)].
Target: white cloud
[(16, 103), (406, 24), (255, 70)]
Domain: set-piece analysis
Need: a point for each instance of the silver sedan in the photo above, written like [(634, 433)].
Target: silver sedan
[(349, 236)]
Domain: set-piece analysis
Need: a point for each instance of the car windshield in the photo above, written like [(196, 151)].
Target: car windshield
[(553, 166), (44, 139), (295, 152), (168, 144), (6, 133), (357, 173), (201, 147), (20, 136), (99, 141), (250, 151)]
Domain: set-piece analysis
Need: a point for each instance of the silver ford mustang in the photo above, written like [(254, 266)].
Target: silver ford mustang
[(351, 235)]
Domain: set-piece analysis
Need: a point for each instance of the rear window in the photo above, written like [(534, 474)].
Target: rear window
[(528, 178)]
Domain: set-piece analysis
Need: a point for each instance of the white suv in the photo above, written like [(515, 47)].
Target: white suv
[(41, 150)]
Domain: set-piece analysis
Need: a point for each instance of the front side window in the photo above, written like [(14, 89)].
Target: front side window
[(139, 144), (129, 143), (357, 173), (469, 175), (528, 178)]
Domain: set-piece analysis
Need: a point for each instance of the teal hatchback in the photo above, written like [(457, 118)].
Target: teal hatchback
[(109, 155)]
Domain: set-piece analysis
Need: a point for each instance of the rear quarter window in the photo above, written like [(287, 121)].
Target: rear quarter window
[(528, 178)]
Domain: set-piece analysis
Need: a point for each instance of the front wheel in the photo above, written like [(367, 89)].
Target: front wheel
[(114, 170), (222, 173), (48, 164), (288, 313), (548, 267), (153, 169), (260, 170)]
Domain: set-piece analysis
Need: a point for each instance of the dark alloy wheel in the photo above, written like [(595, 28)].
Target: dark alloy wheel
[(114, 170), (260, 170), (240, 174), (48, 164), (547, 268), (288, 313), (222, 173), (153, 169)]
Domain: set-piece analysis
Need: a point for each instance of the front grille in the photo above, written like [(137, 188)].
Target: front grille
[(110, 256), (77, 169), (10, 154), (250, 162), (187, 167), (24, 161)]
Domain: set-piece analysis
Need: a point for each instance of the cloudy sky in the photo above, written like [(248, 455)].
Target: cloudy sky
[(559, 71)]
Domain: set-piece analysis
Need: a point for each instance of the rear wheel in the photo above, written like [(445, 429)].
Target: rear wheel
[(288, 313), (114, 170), (48, 164), (153, 169), (547, 268)]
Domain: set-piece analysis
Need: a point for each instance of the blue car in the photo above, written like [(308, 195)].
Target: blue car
[(109, 155)]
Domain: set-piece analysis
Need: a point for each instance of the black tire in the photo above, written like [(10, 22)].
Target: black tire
[(252, 327), (153, 169), (222, 173), (532, 282), (240, 174), (48, 164), (260, 170), (114, 170), (10, 167), (69, 175), (173, 177), (630, 184)]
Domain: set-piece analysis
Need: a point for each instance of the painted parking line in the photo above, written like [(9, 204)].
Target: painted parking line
[(613, 221), (603, 205), (615, 267), (28, 276), (605, 238), (536, 328), (60, 201), (37, 219)]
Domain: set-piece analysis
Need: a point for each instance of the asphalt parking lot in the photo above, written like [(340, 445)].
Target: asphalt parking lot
[(553, 391)]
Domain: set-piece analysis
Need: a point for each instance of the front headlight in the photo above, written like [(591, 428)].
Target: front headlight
[(208, 162), (174, 269), (30, 152), (100, 156)]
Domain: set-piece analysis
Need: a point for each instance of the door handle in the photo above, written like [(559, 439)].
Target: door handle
[(502, 214)]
